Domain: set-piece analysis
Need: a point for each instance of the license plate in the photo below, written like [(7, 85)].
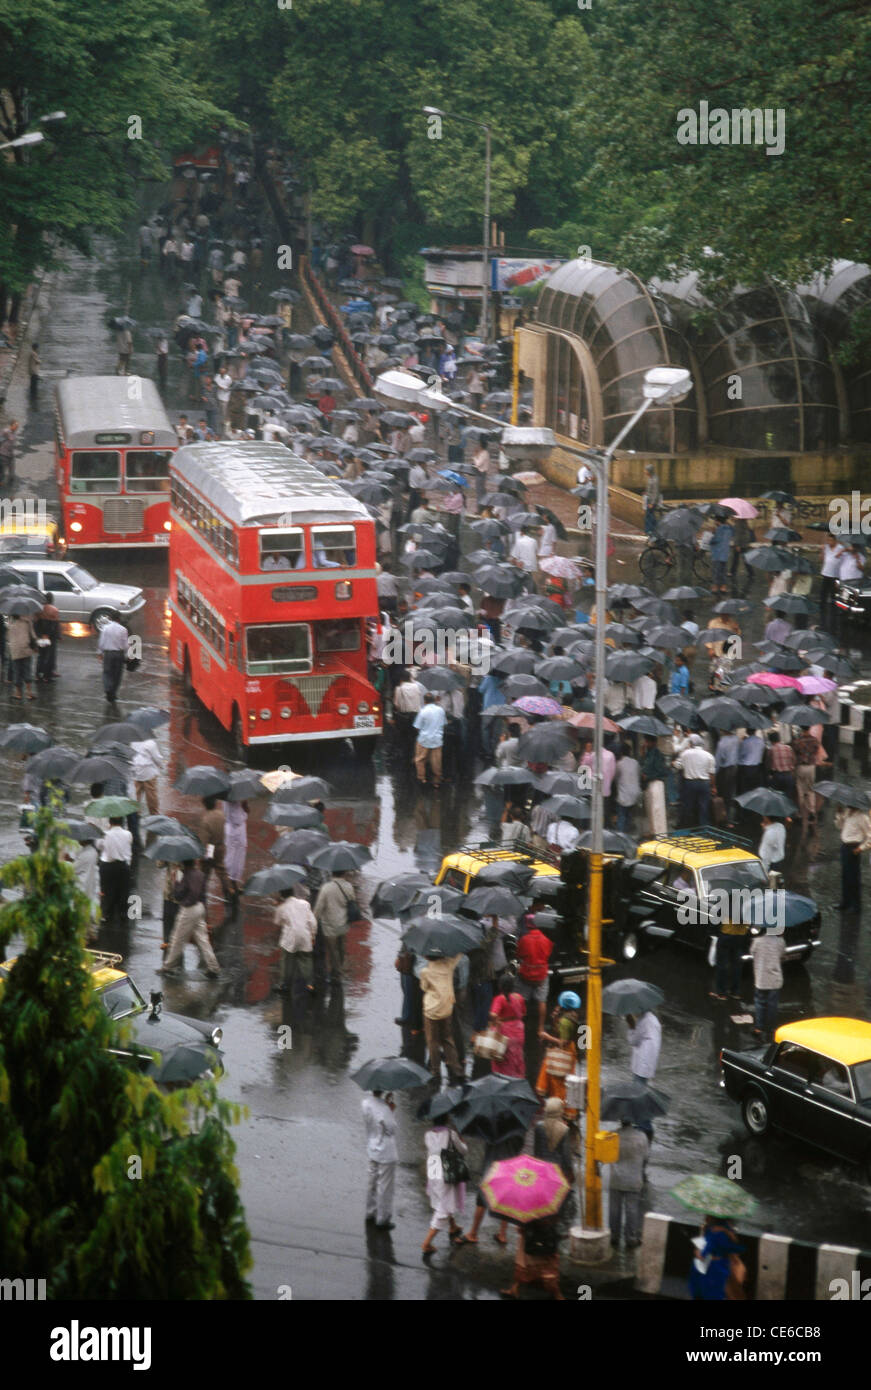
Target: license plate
[(364, 721), (162, 539)]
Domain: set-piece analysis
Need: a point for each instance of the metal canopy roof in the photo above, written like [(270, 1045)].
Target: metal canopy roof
[(90, 405), (257, 482)]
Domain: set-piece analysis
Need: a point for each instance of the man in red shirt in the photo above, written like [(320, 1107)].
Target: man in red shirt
[(327, 404), (533, 953)]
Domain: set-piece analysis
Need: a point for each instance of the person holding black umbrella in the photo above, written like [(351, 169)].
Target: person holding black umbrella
[(627, 1185), (379, 1119), (854, 827), (331, 911), (190, 922)]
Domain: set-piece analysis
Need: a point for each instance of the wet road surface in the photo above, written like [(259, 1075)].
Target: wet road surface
[(301, 1150)]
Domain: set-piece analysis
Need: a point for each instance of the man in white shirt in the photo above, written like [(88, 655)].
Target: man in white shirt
[(145, 768), (112, 651), (563, 836), (430, 724), (698, 768), (380, 1123), (644, 693), (407, 701), (772, 846), (116, 853), (524, 551), (851, 564), (297, 940)]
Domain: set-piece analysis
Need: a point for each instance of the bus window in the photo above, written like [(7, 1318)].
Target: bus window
[(95, 472), (278, 649), (147, 470), (333, 547), (340, 635), (282, 549)]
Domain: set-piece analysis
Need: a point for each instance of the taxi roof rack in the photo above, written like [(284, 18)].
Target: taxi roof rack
[(721, 838), (494, 851), (104, 960)]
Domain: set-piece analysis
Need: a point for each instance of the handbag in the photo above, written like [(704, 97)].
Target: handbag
[(455, 1169), (557, 1062), (405, 962), (490, 1044)]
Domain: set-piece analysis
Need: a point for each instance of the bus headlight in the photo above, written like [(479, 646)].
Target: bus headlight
[(75, 526), (252, 716), (266, 714), (362, 707), (344, 709), (284, 713), (167, 526)]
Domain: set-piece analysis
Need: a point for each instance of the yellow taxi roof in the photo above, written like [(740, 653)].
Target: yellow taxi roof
[(102, 978), (696, 851), (471, 863), (846, 1040), (15, 527)]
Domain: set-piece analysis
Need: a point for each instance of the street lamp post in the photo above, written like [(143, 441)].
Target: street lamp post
[(662, 386), (485, 271)]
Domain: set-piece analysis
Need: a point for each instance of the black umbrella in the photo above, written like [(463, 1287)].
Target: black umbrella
[(9, 576), (441, 1104), (668, 637), (294, 817), (96, 769), (507, 873), (804, 716), (845, 795), (613, 842), (785, 499), (837, 666), (767, 801), (633, 1102), (496, 1108), (782, 535), (435, 678), (395, 895), (723, 713), (175, 849), (546, 743), (517, 661), (506, 776), (390, 1074), (680, 525), (493, 900), (20, 605), (563, 805), (784, 662), (515, 687), (645, 724), (125, 732), (149, 717), (164, 825), (631, 997), (761, 695), (340, 856), (500, 581), (203, 780), (626, 666), (298, 846), (245, 786), (771, 558), (618, 594), (449, 935), (488, 528), (276, 879), (82, 831), (558, 783), (303, 789), (684, 593), (25, 738), (735, 606), (810, 639), (559, 668)]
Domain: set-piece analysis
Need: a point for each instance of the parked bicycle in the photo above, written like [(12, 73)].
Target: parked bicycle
[(660, 560)]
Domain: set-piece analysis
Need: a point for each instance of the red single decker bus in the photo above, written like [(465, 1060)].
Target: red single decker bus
[(272, 579), (113, 443)]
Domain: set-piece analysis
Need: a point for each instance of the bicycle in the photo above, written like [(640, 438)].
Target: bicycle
[(659, 560)]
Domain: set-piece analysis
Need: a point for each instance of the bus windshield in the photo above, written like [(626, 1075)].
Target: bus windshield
[(340, 635), (98, 471), (148, 470), (277, 649)]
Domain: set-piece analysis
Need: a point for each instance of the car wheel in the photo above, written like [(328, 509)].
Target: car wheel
[(630, 945), (100, 617), (755, 1113)]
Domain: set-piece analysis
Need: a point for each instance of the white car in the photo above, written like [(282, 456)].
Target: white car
[(78, 596)]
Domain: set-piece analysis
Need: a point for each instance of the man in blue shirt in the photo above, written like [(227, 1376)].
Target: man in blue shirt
[(720, 547), (726, 759), (751, 751), (680, 680), (430, 725)]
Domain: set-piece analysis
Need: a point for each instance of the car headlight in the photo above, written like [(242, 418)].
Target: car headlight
[(216, 1036)]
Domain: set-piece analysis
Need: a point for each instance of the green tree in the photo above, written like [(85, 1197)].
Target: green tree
[(122, 72), (74, 1120)]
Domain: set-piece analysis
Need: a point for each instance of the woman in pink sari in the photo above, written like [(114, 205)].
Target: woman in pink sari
[(507, 1013)]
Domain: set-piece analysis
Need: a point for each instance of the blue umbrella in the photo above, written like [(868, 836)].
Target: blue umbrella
[(454, 477)]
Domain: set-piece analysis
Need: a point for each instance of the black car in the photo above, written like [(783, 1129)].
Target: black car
[(813, 1081), (853, 598)]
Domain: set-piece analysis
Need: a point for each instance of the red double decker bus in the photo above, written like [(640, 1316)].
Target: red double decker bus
[(272, 579), (113, 443)]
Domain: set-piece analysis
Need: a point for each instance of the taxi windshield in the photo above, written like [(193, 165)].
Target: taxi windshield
[(122, 999), (743, 873), (862, 1081)]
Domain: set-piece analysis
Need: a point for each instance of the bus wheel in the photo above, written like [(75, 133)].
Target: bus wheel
[(100, 617), (364, 748), (239, 749), (187, 680)]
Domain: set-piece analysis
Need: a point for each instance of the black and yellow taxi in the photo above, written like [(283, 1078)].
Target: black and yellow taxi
[(685, 884), (173, 1049), (461, 869), (813, 1081)]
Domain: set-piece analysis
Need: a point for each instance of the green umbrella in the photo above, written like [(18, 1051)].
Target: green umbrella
[(108, 807), (714, 1196)]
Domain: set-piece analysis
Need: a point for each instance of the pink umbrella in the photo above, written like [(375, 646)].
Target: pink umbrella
[(583, 719), (539, 704), (525, 1189), (561, 566), (740, 506), (772, 678), (815, 685)]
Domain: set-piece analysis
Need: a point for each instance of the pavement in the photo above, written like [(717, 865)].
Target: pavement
[(301, 1153)]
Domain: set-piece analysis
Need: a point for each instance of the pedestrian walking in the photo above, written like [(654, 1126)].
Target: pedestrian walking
[(161, 357), (645, 1039), (86, 868), (718, 1271), (235, 844), (780, 765), (654, 770), (212, 833), (854, 827), (524, 551), (698, 769), (20, 646), (721, 545), (808, 755), (652, 497), (8, 441), (627, 780), (772, 846), (380, 1121), (625, 1202), (429, 722), (728, 960), (223, 387), (751, 751), (507, 1012), (334, 903), (726, 765), (296, 941), (46, 627), (146, 765), (112, 652), (190, 922), (437, 984), (124, 344), (768, 951), (116, 855), (445, 1187), (33, 362)]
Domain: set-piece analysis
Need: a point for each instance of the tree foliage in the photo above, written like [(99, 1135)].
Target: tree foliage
[(72, 1117), (103, 62)]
